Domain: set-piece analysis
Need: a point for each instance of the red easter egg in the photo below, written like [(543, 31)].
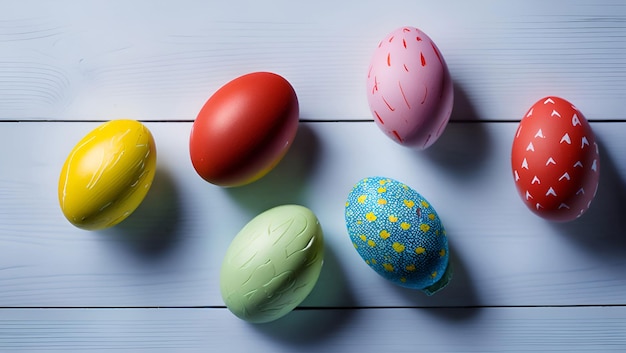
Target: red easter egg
[(555, 160), (244, 129)]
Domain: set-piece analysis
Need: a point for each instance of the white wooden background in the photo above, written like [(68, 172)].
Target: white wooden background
[(151, 283)]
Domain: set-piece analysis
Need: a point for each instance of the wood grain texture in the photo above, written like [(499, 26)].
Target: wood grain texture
[(169, 252), (336, 330), (72, 60)]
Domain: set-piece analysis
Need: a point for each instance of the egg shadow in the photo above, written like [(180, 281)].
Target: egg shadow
[(457, 302), (465, 143), (331, 289), (285, 184), (321, 315), (601, 231), (151, 230)]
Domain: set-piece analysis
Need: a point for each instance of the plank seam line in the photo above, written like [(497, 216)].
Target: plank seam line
[(309, 308), (496, 121)]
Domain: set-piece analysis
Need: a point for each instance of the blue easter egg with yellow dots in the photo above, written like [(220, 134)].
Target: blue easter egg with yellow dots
[(398, 233)]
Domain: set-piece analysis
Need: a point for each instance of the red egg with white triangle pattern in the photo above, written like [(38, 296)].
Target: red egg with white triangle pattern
[(555, 160)]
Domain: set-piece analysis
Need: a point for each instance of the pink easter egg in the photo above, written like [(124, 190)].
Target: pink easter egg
[(409, 88)]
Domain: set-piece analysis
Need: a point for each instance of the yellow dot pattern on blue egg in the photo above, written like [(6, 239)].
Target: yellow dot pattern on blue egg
[(397, 232), (398, 247)]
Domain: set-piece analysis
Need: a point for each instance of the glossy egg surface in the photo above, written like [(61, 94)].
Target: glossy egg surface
[(244, 129), (398, 234), (409, 88), (555, 160), (107, 174)]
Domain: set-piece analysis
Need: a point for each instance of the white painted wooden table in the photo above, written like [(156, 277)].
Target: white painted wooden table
[(151, 283)]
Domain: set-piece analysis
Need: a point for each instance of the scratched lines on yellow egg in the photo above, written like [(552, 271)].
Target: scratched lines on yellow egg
[(396, 233)]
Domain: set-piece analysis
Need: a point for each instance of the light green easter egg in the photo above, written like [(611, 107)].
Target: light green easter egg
[(272, 264)]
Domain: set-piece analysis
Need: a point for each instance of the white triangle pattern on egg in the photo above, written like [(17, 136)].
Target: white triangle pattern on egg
[(549, 156)]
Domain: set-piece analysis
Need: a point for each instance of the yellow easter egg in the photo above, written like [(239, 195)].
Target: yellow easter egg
[(107, 174)]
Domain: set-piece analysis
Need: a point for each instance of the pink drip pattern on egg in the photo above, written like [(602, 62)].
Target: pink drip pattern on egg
[(409, 88)]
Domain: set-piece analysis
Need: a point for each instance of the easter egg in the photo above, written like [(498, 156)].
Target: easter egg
[(555, 160), (244, 129), (107, 174), (272, 264), (398, 234), (409, 88)]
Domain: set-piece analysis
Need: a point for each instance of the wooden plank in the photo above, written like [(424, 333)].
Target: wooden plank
[(170, 251), (110, 59), (595, 329)]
